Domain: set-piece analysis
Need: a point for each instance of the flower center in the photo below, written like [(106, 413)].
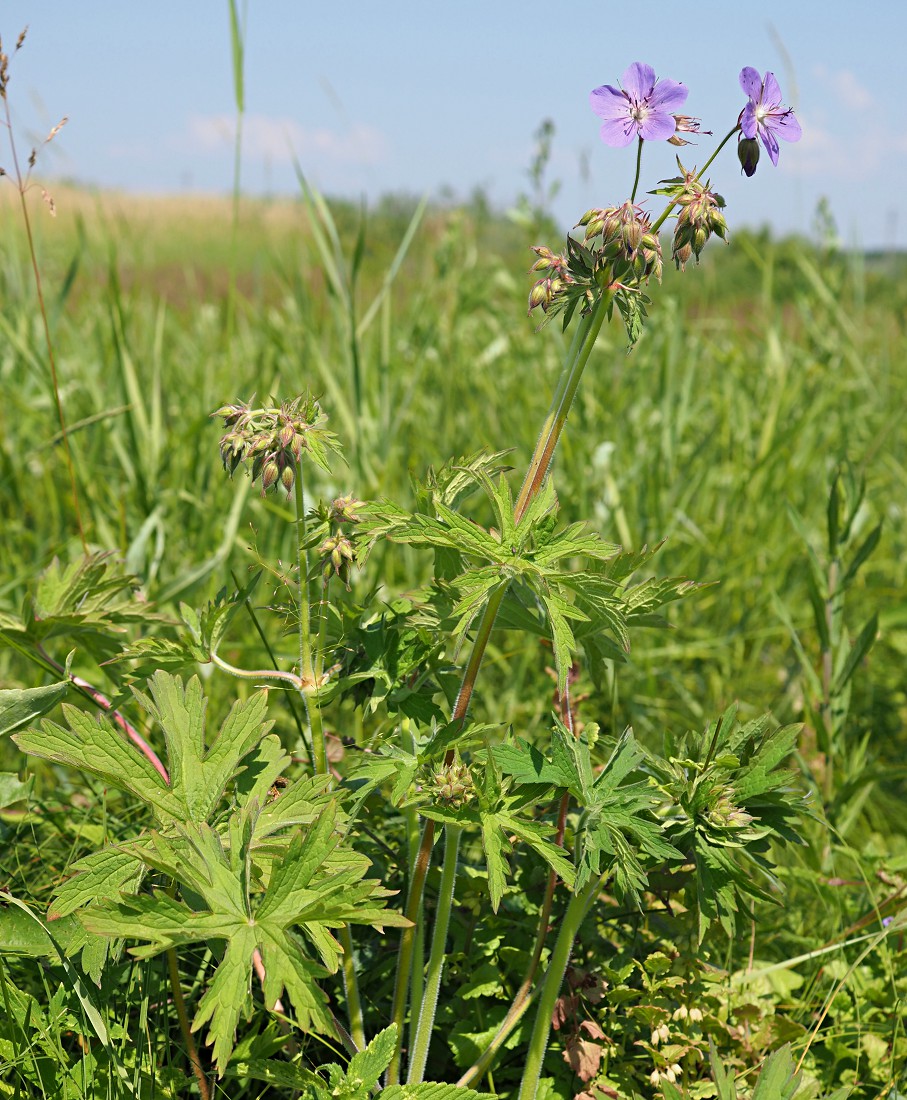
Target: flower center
[(640, 112), (762, 113)]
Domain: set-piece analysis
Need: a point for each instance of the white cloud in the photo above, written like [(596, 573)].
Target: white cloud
[(846, 89), (280, 139)]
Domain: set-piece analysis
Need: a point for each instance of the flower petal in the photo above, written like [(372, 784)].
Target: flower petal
[(638, 81), (668, 95), (657, 126), (751, 83), (771, 144), (618, 132), (608, 102), (771, 91), (785, 125), (748, 123)]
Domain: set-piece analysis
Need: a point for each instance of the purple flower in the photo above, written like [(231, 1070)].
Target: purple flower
[(764, 115), (644, 107)]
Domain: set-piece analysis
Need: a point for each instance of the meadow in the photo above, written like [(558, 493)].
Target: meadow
[(751, 442)]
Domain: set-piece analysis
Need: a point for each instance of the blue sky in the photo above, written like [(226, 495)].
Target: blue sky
[(416, 96)]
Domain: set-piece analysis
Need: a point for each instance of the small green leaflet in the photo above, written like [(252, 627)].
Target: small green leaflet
[(358, 1081)]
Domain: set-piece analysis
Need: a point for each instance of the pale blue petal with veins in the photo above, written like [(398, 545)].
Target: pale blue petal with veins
[(644, 107), (764, 115)]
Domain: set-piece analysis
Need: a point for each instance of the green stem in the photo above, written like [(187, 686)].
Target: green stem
[(422, 1040), (258, 673), (306, 660), (413, 913), (351, 985), (551, 987), (638, 169), (575, 363), (659, 222), (523, 996), (580, 350)]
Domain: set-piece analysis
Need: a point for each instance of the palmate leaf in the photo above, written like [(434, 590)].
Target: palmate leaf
[(198, 774), (316, 885), (619, 833), (88, 602), (731, 799), (201, 639)]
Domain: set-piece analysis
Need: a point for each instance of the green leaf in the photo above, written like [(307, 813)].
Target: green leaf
[(432, 1090), (99, 748), (866, 548), (857, 652), (21, 706), (316, 883), (724, 1079), (13, 789), (107, 874), (199, 775), (367, 1066), (92, 1012), (778, 1079)]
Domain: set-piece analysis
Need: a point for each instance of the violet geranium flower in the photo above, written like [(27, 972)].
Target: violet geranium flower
[(644, 107), (764, 115)]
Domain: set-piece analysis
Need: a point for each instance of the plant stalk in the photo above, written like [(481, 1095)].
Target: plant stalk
[(307, 660), (185, 1027), (574, 365), (551, 987), (422, 1040)]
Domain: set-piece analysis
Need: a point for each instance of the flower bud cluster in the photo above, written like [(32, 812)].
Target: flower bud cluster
[(272, 441), (554, 281), (338, 551), (618, 247), (451, 784), (622, 236), (700, 216)]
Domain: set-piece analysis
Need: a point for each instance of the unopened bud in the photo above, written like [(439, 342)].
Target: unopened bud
[(269, 474), (345, 510), (748, 154), (287, 478), (540, 295)]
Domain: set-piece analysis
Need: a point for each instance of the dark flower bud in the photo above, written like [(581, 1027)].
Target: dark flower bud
[(748, 154)]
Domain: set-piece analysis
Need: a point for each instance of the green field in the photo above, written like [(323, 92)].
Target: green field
[(766, 376)]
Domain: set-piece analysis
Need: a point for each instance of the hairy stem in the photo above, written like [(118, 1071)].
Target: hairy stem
[(551, 987), (422, 1040), (307, 659), (351, 985), (185, 1027), (639, 144), (413, 913)]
